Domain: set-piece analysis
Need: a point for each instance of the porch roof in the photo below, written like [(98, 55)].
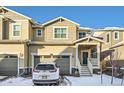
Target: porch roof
[(89, 37)]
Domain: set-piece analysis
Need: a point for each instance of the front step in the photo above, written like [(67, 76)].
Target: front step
[(85, 71)]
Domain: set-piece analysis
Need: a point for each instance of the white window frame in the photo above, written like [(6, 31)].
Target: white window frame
[(114, 35), (60, 27), (13, 29), (37, 33), (82, 32)]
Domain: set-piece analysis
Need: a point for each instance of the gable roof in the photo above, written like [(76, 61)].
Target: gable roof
[(89, 37), (2, 7), (60, 17)]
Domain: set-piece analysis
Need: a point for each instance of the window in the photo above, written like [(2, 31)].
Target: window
[(116, 35), (16, 29), (60, 32), (107, 38), (82, 34), (38, 32)]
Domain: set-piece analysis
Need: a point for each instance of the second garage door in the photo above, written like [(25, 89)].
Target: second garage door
[(9, 66)]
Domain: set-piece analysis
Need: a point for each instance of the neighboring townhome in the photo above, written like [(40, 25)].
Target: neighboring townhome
[(113, 47), (24, 43)]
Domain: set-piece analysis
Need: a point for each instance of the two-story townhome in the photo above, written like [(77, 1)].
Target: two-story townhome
[(113, 47), (24, 43)]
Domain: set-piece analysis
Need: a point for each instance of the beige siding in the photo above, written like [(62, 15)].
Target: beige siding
[(15, 49), (13, 16), (35, 38), (24, 31), (53, 50), (1, 28), (71, 31)]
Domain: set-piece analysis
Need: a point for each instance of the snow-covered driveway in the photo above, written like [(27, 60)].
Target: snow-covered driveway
[(95, 80)]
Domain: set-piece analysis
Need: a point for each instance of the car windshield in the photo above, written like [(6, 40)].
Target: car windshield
[(45, 67)]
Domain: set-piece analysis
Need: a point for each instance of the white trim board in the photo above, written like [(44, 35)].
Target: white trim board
[(60, 17)]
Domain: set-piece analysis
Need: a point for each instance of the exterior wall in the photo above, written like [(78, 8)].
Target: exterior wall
[(15, 18), (24, 31), (71, 31), (35, 38), (112, 41), (1, 28), (17, 49), (53, 50)]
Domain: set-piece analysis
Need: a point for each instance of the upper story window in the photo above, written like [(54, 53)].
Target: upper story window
[(116, 35), (16, 29), (60, 33), (107, 38), (81, 34), (39, 33)]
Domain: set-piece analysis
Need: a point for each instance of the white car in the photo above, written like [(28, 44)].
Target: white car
[(46, 73)]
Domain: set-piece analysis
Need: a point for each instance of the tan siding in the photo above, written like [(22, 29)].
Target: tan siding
[(1, 28), (71, 31), (48, 50), (13, 16), (14, 49), (24, 31), (35, 38)]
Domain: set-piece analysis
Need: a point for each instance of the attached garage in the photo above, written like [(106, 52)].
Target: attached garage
[(62, 61), (8, 65)]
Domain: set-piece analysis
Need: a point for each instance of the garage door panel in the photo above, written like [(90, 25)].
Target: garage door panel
[(64, 64), (8, 67)]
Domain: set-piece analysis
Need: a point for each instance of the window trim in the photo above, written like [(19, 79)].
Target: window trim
[(60, 27), (13, 29), (79, 32), (37, 33), (114, 35)]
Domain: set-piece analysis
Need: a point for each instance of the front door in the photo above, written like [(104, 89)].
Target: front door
[(84, 58)]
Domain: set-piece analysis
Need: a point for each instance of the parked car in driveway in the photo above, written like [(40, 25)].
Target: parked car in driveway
[(46, 73)]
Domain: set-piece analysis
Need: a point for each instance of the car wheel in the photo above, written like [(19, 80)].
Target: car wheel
[(36, 84)]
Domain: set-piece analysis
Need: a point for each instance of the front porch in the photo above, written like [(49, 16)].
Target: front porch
[(88, 55)]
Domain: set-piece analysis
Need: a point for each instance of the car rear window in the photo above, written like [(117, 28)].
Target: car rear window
[(45, 67)]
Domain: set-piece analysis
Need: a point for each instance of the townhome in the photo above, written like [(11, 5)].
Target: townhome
[(24, 43), (113, 47)]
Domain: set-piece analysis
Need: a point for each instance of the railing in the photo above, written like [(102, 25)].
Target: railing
[(94, 61), (79, 66), (90, 66)]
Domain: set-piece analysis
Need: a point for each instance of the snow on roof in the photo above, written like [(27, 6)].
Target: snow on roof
[(85, 28), (107, 28), (111, 28)]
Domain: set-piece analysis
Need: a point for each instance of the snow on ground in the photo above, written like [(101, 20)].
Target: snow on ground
[(95, 80), (20, 81)]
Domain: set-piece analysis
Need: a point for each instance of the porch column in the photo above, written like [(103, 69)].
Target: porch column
[(77, 55), (98, 54)]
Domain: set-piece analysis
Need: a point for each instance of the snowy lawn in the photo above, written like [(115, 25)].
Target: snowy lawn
[(17, 81), (95, 80)]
